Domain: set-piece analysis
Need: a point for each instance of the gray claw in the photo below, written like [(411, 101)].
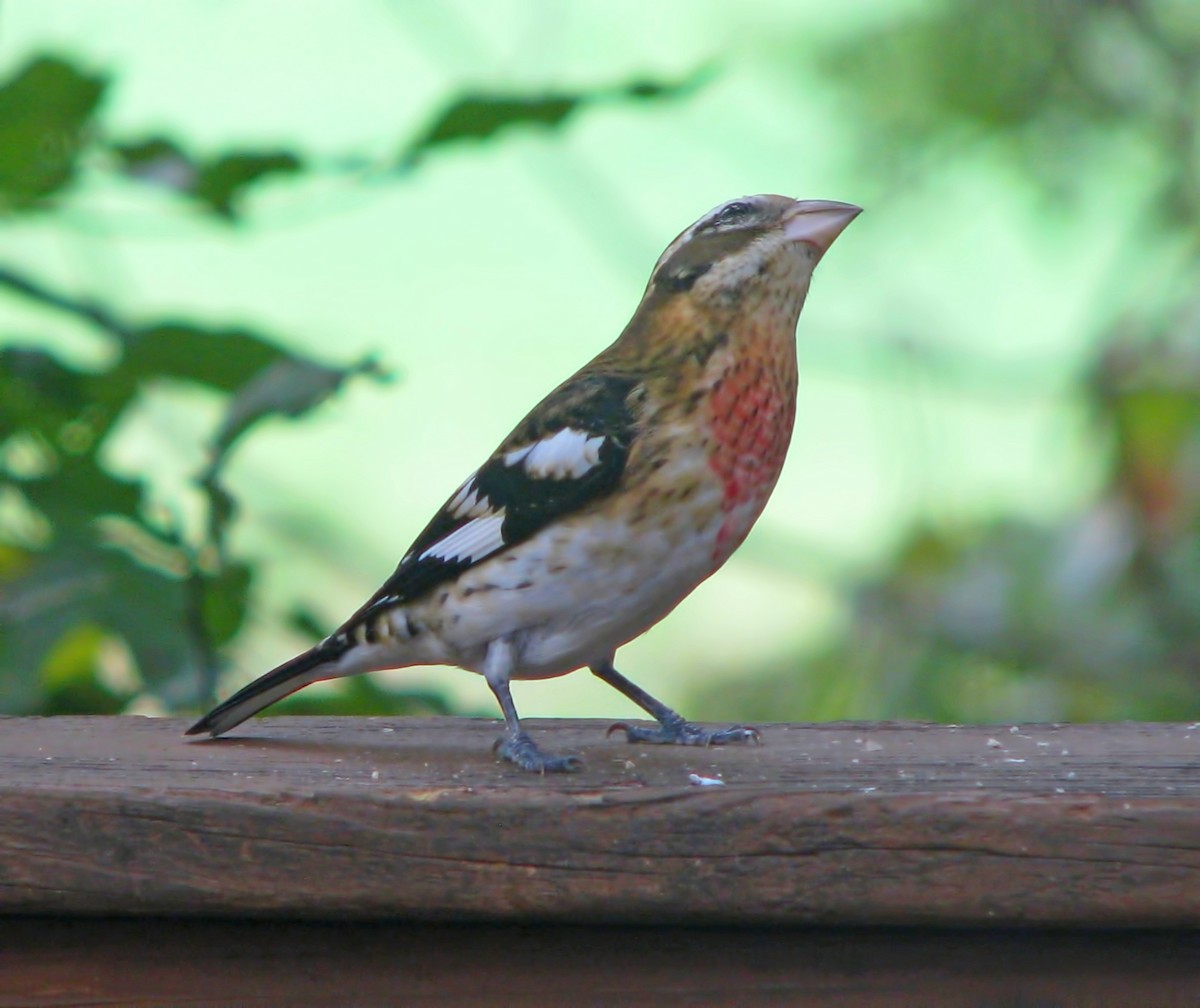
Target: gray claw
[(523, 751), (685, 733)]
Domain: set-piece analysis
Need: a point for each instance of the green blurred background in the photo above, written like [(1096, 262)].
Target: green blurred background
[(274, 278)]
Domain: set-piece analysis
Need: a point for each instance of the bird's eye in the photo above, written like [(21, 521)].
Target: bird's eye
[(734, 213)]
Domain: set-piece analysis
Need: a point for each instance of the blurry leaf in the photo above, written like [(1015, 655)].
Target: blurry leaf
[(224, 359), (69, 677), (14, 562), (157, 161), (80, 308), (481, 116), (143, 607), (76, 492), (77, 585), (44, 112), (221, 182), (477, 117), (650, 89), (37, 390), (68, 411), (291, 387), (218, 183), (225, 601)]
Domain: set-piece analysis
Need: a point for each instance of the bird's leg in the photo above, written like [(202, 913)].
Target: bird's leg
[(673, 728), (515, 745)]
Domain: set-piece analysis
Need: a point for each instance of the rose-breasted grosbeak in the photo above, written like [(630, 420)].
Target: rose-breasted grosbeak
[(620, 492)]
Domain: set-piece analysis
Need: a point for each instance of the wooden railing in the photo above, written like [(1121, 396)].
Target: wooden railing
[(916, 828)]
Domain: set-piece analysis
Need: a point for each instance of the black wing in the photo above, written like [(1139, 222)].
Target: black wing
[(570, 450)]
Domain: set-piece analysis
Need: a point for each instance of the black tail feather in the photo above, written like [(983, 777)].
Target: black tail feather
[(266, 689)]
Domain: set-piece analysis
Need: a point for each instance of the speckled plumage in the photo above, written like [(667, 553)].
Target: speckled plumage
[(621, 491)]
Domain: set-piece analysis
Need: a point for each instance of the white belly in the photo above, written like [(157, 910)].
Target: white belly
[(571, 595)]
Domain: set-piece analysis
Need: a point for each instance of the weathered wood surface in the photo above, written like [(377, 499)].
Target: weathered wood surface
[(865, 824), (221, 964)]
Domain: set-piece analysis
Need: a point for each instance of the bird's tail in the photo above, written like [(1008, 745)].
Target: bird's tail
[(320, 662)]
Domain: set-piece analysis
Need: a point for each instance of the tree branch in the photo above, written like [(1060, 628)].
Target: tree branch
[(81, 308)]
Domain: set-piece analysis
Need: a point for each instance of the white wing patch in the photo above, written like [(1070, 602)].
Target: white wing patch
[(469, 502), (477, 538), (567, 454)]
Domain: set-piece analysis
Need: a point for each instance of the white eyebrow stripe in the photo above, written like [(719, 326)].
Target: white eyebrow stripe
[(477, 538), (691, 232), (568, 454)]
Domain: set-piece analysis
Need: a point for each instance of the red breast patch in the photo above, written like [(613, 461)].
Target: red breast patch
[(753, 408)]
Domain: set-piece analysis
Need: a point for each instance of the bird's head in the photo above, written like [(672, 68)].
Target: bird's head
[(755, 243)]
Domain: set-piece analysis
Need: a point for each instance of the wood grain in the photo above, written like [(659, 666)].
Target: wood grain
[(847, 824)]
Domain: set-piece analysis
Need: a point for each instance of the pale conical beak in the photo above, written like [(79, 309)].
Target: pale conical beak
[(818, 222)]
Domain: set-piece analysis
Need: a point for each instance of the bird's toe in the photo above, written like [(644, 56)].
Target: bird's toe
[(524, 752), (685, 733)]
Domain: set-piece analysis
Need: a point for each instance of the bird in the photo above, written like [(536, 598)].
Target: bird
[(622, 490)]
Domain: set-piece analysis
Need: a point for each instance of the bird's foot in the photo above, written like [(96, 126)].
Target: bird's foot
[(523, 751), (677, 731)]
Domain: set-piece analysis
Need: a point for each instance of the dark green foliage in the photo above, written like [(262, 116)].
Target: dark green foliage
[(90, 555), (217, 183), (45, 112), (103, 598), (475, 117)]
